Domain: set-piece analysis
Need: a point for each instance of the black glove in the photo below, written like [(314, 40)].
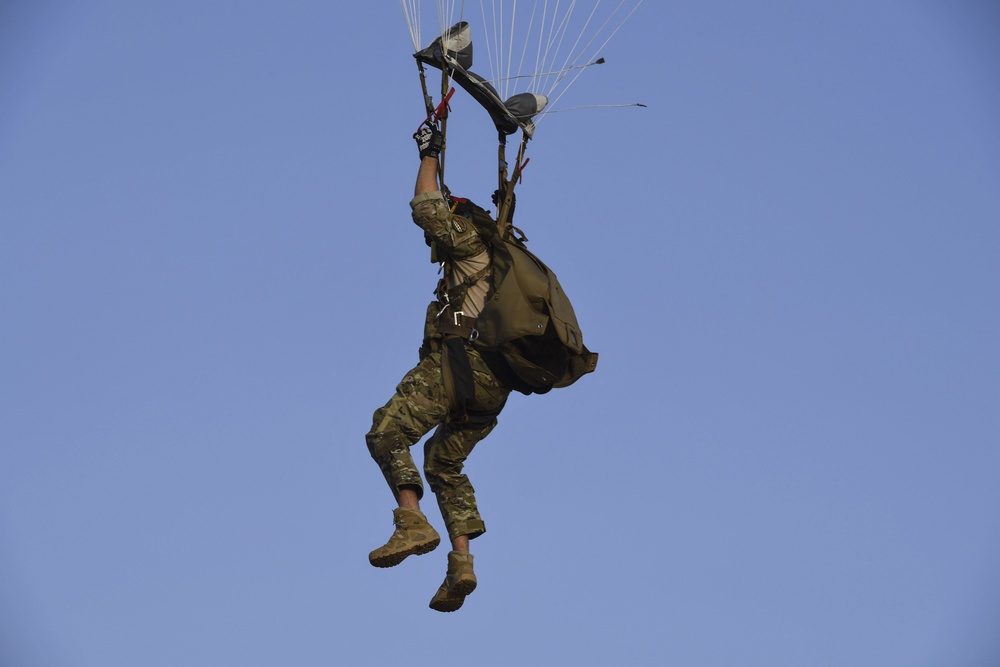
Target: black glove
[(498, 199), (429, 140)]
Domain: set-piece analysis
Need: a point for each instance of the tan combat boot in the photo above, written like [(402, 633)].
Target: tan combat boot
[(459, 582), (413, 536)]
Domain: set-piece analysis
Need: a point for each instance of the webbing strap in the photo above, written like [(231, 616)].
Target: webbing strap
[(458, 381), (458, 325)]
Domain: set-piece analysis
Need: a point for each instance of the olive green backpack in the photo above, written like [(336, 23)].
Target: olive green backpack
[(528, 321)]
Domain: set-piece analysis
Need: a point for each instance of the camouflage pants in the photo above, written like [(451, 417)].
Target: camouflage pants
[(419, 405)]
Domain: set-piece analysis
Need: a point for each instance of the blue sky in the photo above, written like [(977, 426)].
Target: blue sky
[(789, 263)]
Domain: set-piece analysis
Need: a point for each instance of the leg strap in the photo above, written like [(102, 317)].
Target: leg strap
[(459, 384)]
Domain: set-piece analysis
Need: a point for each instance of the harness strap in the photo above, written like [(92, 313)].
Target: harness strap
[(458, 325), (459, 384), (456, 295)]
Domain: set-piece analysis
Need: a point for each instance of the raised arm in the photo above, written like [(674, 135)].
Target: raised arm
[(426, 176), (429, 143)]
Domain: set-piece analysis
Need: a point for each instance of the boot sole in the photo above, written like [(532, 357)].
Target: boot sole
[(463, 588), (448, 605), (456, 597), (394, 559)]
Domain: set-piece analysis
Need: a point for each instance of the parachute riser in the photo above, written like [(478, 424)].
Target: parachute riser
[(437, 115), (505, 190), (428, 102), (445, 95), (501, 163)]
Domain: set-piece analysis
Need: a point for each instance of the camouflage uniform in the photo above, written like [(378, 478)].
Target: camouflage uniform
[(421, 402)]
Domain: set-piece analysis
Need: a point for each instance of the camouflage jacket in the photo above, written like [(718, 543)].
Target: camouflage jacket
[(459, 247)]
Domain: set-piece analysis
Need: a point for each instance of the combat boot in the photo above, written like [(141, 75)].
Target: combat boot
[(459, 582), (413, 536)]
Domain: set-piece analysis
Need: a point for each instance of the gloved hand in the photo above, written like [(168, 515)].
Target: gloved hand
[(513, 203), (429, 140)]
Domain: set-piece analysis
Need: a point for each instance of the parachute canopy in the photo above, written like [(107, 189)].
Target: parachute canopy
[(452, 51), (536, 48)]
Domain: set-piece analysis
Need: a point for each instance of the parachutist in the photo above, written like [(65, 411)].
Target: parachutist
[(501, 321), (474, 353), (452, 390)]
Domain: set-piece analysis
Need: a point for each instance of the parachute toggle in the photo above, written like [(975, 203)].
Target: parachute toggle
[(452, 53)]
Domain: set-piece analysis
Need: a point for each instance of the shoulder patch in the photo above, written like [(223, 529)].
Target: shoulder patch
[(458, 224)]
